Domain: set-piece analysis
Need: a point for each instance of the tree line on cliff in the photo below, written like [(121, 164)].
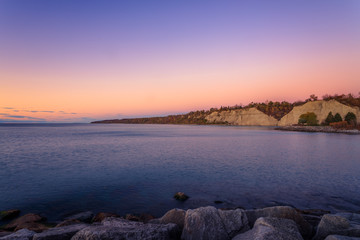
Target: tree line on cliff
[(274, 109)]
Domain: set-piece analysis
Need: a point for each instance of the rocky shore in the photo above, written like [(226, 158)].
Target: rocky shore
[(272, 223), (325, 129)]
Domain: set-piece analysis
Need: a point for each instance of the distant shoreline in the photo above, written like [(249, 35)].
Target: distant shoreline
[(293, 128), (324, 129)]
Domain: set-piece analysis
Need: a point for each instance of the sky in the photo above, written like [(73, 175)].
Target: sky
[(78, 61)]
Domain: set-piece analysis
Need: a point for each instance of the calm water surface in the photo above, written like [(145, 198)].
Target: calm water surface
[(57, 169)]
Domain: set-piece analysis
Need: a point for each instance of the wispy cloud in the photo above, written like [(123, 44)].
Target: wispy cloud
[(22, 117), (37, 111), (16, 116), (63, 112), (9, 114)]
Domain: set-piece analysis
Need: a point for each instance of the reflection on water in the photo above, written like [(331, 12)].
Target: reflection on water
[(57, 169)]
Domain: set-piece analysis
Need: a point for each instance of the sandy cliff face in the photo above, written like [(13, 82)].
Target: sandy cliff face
[(254, 117), (321, 109), (242, 117)]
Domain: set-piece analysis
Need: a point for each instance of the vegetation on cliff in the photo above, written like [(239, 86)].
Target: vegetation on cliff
[(309, 119), (346, 99), (274, 109)]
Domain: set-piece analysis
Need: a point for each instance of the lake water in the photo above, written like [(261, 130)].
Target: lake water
[(57, 169)]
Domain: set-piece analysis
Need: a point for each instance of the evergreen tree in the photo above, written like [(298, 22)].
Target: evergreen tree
[(329, 119), (351, 118), (337, 118)]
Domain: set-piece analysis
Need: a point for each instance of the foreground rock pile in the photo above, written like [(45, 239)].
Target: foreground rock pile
[(273, 223)]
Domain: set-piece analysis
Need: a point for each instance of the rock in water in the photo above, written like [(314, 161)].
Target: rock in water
[(23, 234), (286, 212), (59, 233), (210, 223), (68, 222), (9, 214), (102, 215), (271, 229), (117, 228), (346, 224), (181, 196), (83, 216), (30, 221)]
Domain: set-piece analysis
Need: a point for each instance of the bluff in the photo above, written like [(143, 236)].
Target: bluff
[(242, 117), (280, 114), (321, 108)]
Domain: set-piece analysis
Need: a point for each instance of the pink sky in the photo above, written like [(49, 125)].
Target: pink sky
[(98, 64)]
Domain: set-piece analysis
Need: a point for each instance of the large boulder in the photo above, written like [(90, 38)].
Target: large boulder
[(23, 234), (102, 215), (29, 221), (118, 228), (346, 224), (4, 233), (144, 217), (286, 212), (59, 233), (272, 229), (83, 216), (338, 237), (67, 223), (211, 223), (175, 215)]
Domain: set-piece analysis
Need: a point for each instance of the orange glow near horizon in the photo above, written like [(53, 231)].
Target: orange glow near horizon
[(70, 74)]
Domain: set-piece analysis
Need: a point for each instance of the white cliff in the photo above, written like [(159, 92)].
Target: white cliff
[(321, 109), (242, 117)]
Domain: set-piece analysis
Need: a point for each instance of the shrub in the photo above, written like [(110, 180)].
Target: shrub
[(340, 125), (309, 119), (350, 118), (337, 118)]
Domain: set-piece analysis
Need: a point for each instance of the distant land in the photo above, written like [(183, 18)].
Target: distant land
[(344, 107)]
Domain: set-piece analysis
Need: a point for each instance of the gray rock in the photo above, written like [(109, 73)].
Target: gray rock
[(83, 216), (29, 221), (272, 229), (102, 215), (211, 223), (338, 237), (175, 215), (4, 233), (23, 234), (68, 222), (354, 218), (235, 221), (59, 233), (345, 224), (118, 228), (181, 196), (286, 212)]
